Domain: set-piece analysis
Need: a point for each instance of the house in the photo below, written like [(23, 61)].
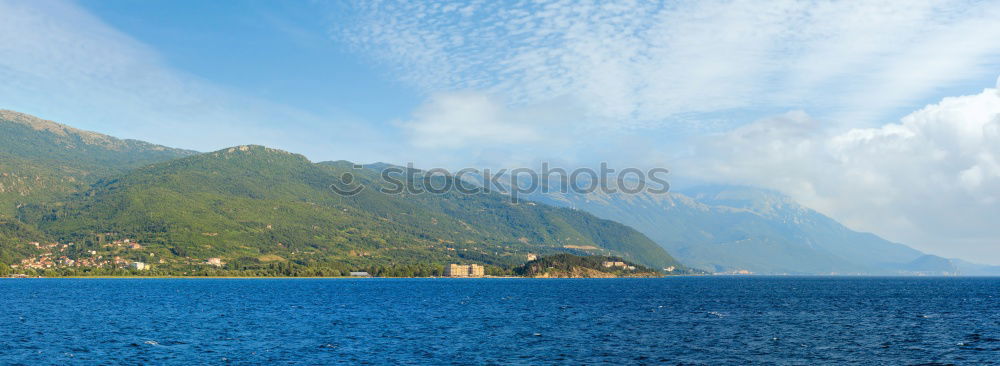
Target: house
[(464, 270), (139, 266), (214, 262), (532, 257), (360, 274)]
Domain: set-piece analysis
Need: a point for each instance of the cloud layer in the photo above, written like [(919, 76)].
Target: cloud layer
[(656, 71), (463, 120), (647, 63), (931, 180)]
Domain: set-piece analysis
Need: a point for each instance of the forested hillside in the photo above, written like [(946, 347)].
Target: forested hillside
[(41, 160), (261, 209)]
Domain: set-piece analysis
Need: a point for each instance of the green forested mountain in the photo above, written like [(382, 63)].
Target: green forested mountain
[(41, 160), (260, 208)]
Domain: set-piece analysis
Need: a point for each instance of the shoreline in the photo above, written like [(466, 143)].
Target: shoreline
[(324, 278), (489, 277)]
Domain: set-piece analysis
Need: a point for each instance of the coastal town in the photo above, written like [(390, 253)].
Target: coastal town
[(116, 254), (56, 255)]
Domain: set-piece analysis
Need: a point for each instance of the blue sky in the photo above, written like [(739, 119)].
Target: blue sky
[(273, 50), (880, 114)]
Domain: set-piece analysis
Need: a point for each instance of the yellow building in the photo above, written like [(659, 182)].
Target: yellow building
[(476, 270), (464, 270)]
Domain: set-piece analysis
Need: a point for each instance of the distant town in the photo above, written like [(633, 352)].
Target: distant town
[(54, 256), (65, 255)]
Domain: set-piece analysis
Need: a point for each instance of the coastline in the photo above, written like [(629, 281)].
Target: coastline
[(331, 278)]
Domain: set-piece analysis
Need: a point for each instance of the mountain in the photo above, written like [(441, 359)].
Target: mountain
[(266, 211), (975, 269), (41, 160), (926, 264), (255, 207), (741, 229)]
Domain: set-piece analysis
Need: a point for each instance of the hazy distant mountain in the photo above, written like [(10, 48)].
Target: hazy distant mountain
[(727, 229), (975, 269)]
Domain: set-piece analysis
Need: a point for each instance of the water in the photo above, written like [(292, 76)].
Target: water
[(690, 320)]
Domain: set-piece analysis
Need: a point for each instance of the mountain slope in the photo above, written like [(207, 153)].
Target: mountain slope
[(975, 269), (41, 160), (15, 239), (252, 204), (724, 229)]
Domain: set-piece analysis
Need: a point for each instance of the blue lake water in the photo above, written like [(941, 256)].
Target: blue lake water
[(689, 320)]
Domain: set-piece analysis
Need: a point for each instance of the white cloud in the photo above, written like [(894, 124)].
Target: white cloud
[(456, 129), (461, 120), (642, 63), (932, 180)]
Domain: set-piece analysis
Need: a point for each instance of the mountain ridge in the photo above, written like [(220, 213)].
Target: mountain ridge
[(41, 160), (251, 204)]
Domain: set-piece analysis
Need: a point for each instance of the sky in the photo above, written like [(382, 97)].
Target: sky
[(883, 115)]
